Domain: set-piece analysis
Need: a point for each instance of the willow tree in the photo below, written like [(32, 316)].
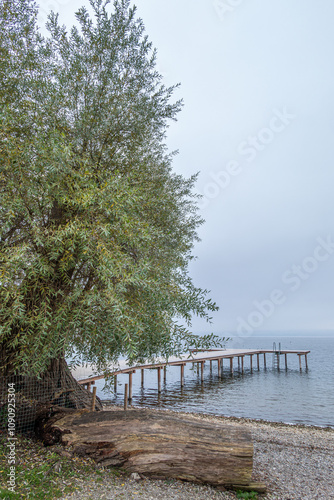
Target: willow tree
[(96, 230)]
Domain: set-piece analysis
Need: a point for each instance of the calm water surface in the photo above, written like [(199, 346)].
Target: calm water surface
[(286, 396)]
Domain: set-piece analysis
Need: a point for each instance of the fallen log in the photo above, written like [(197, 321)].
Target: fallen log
[(160, 444)]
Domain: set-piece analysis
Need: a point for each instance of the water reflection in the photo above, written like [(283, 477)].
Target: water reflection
[(256, 395)]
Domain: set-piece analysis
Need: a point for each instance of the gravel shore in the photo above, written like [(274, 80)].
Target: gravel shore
[(295, 462)]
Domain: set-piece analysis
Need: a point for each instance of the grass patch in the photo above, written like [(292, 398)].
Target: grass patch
[(43, 473), (247, 495)]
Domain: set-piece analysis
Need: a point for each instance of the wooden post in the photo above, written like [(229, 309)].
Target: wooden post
[(115, 384), (88, 386), (306, 366), (286, 361), (242, 364), (142, 377), (126, 396), (182, 375), (210, 366), (202, 371), (159, 379), (130, 386), (264, 361), (258, 361), (251, 362), (165, 374), (239, 363), (219, 368), (231, 365), (300, 362), (94, 398)]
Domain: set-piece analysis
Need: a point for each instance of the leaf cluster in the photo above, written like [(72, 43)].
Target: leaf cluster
[(96, 229)]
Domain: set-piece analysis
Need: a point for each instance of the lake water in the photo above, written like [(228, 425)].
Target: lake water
[(281, 396)]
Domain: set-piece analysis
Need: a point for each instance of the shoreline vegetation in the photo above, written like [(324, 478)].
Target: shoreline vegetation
[(295, 461)]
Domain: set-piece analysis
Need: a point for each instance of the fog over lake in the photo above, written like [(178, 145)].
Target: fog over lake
[(257, 83)]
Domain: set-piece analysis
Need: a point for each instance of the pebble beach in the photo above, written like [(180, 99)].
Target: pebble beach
[(295, 462)]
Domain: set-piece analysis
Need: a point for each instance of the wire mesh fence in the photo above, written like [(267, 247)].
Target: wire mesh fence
[(23, 398)]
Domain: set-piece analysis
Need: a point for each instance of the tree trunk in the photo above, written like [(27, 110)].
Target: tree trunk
[(156, 443), (36, 397)]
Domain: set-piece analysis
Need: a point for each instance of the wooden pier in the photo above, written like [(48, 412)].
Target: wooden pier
[(200, 358)]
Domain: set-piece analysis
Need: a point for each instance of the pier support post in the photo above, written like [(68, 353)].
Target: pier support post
[(251, 362), (231, 365), (115, 384), (202, 371), (142, 377), (94, 398), (165, 374), (242, 364), (130, 386), (126, 396), (182, 375), (300, 362), (264, 361), (219, 368), (306, 366), (239, 363), (286, 361), (159, 380), (278, 360), (258, 361), (210, 366)]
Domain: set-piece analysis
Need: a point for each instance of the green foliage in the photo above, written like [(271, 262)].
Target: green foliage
[(8, 495), (96, 229), (41, 474), (247, 495)]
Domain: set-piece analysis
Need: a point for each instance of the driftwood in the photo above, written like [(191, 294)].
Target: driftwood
[(159, 444)]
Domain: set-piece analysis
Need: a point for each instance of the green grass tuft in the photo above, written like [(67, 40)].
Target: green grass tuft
[(41, 473)]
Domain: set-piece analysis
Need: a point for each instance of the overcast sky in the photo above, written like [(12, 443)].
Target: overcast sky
[(257, 79)]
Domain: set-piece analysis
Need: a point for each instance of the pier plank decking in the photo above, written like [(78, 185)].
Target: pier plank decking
[(199, 357)]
